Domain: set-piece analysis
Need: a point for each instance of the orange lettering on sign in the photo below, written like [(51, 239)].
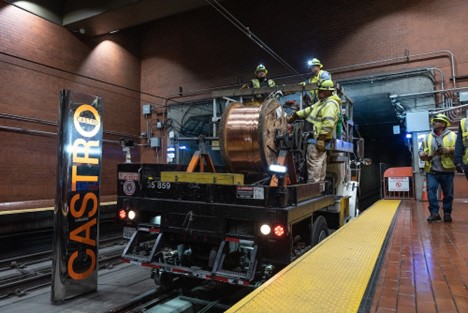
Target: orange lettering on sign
[(88, 196), (81, 178), (89, 271), (83, 146), (74, 234), (87, 125)]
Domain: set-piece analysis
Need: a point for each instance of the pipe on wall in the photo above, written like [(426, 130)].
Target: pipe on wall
[(36, 132), (50, 123)]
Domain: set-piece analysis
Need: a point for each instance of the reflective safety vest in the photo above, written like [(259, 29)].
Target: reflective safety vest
[(448, 141), (256, 83), (324, 115), (464, 129), (314, 79)]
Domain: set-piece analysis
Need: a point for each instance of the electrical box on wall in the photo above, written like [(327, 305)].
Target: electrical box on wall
[(146, 109), (463, 96), (417, 121), (155, 142)]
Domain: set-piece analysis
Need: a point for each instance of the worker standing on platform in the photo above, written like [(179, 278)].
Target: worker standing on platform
[(323, 116), (261, 80), (461, 148), (437, 152), (317, 74)]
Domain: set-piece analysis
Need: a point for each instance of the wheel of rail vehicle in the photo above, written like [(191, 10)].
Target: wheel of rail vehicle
[(319, 230), (164, 279)]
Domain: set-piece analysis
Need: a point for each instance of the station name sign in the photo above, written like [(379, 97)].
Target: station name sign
[(76, 216)]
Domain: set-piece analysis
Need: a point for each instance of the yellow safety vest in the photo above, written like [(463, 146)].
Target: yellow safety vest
[(324, 115), (256, 83), (314, 80), (448, 141), (464, 129)]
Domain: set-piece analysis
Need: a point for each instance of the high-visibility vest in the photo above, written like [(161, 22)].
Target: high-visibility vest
[(256, 83), (464, 129), (324, 115), (448, 141), (314, 79)]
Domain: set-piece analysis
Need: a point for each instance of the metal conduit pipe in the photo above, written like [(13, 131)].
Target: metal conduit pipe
[(380, 77), (44, 133), (426, 93), (451, 108), (50, 123), (422, 56), (343, 69), (397, 75), (37, 132)]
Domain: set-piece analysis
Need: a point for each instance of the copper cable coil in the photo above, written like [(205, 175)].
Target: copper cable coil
[(247, 135)]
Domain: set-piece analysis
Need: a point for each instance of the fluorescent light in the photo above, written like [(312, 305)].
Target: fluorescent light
[(278, 169)]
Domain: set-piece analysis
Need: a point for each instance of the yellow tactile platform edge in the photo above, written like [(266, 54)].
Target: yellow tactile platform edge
[(9, 212), (333, 276)]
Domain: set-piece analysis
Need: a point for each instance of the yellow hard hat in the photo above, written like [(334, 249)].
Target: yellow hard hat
[(441, 117), (261, 67), (314, 62), (325, 84)]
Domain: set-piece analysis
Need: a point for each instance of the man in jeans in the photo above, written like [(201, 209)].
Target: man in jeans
[(437, 152)]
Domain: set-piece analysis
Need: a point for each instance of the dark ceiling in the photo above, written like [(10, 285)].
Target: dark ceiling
[(93, 18)]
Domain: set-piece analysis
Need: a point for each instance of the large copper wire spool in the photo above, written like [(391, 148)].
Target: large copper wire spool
[(247, 135)]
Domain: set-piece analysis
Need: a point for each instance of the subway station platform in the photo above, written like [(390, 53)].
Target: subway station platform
[(390, 259)]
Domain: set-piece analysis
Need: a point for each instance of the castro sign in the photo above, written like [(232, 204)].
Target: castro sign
[(76, 216)]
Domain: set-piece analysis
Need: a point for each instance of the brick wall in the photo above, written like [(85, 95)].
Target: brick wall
[(195, 50), (201, 49), (39, 58)]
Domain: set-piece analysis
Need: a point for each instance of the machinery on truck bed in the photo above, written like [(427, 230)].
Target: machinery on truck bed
[(243, 223)]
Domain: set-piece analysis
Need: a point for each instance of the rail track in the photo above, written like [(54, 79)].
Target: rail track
[(21, 274)]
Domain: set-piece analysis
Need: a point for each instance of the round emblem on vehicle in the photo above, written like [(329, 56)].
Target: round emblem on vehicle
[(129, 187)]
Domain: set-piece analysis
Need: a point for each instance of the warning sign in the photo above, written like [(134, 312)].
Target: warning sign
[(398, 184)]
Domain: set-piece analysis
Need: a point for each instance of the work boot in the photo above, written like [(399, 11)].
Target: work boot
[(433, 217), (447, 218)]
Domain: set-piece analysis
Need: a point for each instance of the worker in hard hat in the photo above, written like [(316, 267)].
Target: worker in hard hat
[(323, 115), (317, 74), (461, 148), (437, 153), (261, 79)]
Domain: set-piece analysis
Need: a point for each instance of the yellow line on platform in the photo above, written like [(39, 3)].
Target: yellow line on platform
[(35, 210), (333, 276)]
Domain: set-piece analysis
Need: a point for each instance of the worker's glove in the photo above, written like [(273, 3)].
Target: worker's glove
[(443, 150), (459, 168), (291, 118), (425, 157), (322, 137), (320, 145), (278, 94)]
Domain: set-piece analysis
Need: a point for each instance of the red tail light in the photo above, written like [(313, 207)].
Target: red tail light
[(122, 214), (279, 231)]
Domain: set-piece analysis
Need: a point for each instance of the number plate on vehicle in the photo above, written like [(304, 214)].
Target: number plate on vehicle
[(128, 232)]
